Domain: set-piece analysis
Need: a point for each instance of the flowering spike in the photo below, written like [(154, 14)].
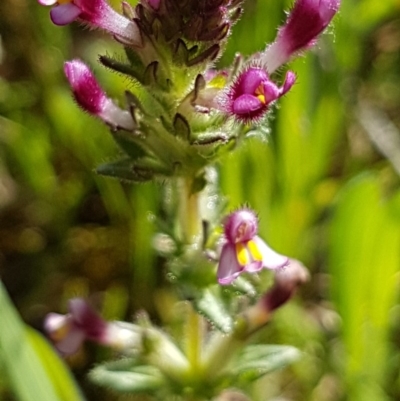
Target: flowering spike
[(305, 22), (96, 13), (244, 250), (251, 94), (91, 97)]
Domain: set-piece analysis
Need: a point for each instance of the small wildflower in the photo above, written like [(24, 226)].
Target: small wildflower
[(305, 22), (91, 97), (96, 13), (251, 94), (244, 250), (68, 332)]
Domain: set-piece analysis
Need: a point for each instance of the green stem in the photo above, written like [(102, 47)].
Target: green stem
[(189, 215), (194, 340), (190, 230)]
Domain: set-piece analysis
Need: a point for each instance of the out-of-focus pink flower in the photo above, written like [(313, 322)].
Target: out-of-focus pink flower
[(69, 331), (96, 13), (244, 250), (91, 97), (154, 4), (252, 92), (305, 22)]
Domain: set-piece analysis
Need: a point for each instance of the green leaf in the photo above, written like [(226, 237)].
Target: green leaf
[(256, 361), (126, 377), (23, 358), (56, 369), (210, 305), (364, 259)]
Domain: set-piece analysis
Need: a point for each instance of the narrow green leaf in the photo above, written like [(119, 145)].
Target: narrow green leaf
[(56, 369), (364, 259), (23, 365)]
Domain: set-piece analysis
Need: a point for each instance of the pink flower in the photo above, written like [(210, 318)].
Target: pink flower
[(98, 14), (69, 331), (91, 97), (154, 4), (251, 94), (305, 22), (244, 250)]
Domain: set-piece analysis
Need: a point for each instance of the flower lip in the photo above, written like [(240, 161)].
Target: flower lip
[(64, 14), (251, 94)]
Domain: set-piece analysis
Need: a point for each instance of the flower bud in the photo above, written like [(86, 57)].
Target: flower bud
[(305, 22), (91, 97)]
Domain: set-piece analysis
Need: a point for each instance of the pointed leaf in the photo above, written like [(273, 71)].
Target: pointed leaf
[(125, 376), (125, 170), (210, 305), (256, 361), (23, 361)]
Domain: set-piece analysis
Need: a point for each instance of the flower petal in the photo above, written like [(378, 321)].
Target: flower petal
[(86, 318), (71, 343), (64, 14), (47, 2), (290, 80), (228, 267), (271, 91), (255, 264), (246, 104), (270, 258), (251, 79)]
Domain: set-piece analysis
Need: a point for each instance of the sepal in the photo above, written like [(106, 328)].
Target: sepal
[(133, 70), (140, 170)]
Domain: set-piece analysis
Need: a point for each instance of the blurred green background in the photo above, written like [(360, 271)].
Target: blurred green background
[(325, 184)]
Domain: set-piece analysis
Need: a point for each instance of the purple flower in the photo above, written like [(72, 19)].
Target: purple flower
[(251, 94), (305, 22), (244, 250), (69, 331), (98, 14), (91, 97)]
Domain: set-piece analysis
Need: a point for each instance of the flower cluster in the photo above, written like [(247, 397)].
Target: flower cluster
[(179, 111)]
